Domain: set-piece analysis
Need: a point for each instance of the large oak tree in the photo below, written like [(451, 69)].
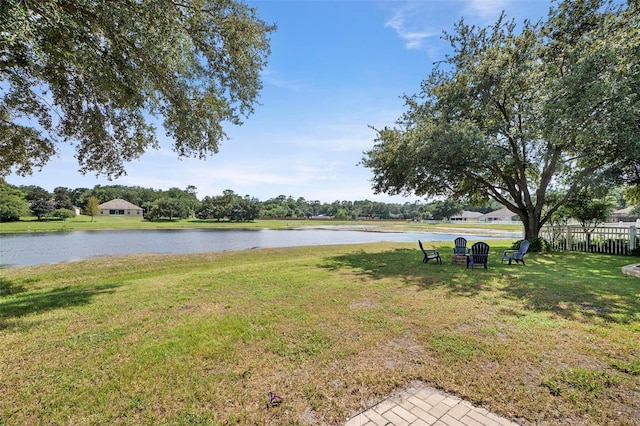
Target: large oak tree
[(518, 111), (98, 74)]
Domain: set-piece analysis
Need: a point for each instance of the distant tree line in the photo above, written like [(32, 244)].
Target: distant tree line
[(176, 203), (20, 201)]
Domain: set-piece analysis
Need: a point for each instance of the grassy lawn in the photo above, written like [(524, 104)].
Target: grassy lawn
[(202, 339), (79, 223)]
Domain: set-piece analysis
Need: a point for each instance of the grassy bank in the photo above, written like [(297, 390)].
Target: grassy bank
[(80, 223), (202, 339)]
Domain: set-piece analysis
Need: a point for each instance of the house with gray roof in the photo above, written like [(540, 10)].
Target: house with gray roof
[(467, 216), (502, 215), (119, 207), (624, 215)]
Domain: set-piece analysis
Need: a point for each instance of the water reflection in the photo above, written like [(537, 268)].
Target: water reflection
[(25, 249)]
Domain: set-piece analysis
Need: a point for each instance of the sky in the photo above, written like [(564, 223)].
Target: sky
[(337, 70)]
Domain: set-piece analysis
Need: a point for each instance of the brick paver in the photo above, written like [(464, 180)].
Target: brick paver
[(419, 404)]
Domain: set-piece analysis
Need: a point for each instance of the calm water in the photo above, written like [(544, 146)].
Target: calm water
[(25, 249)]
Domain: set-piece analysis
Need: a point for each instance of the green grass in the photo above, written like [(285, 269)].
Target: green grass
[(203, 338), (79, 223), (82, 222)]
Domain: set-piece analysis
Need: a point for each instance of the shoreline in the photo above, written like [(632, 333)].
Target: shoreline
[(444, 231)]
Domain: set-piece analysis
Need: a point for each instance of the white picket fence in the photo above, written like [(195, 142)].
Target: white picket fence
[(604, 239)]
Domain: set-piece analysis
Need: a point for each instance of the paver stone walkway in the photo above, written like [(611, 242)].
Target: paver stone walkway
[(419, 405)]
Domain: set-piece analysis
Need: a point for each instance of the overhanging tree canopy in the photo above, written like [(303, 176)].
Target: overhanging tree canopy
[(515, 113), (95, 73)]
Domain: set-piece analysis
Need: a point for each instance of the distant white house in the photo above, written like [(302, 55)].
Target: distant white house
[(119, 207), (504, 215), (467, 216)]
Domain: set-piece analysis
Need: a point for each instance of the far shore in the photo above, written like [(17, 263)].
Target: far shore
[(84, 223), (487, 230)]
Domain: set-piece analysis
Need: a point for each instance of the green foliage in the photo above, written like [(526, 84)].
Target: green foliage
[(518, 112), (516, 245), (62, 198), (588, 210), (343, 214), (229, 205), (63, 214), (283, 207), (168, 207), (536, 245), (233, 207), (92, 207), (632, 195), (539, 245), (109, 66), (12, 203), (40, 202), (444, 209)]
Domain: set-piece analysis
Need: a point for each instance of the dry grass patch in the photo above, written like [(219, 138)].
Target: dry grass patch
[(203, 339)]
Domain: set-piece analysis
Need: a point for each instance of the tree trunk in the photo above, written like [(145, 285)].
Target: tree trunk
[(532, 229)]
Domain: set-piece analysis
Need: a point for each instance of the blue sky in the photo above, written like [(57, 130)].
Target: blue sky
[(336, 68)]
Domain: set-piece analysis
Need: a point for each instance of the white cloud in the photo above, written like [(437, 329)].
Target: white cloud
[(408, 28), (418, 21), (486, 10)]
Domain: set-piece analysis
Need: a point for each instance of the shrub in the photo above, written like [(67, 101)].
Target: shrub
[(64, 214), (535, 245)]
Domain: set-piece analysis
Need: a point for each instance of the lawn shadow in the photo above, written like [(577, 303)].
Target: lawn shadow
[(59, 298), (406, 266), (7, 287), (575, 286)]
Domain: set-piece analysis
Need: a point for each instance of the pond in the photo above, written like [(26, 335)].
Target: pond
[(26, 249)]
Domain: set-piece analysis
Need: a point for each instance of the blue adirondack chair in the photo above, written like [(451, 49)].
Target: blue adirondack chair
[(517, 255), (429, 254), (460, 246), (479, 255)]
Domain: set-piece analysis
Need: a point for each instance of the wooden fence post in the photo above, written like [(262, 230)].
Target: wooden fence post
[(633, 231)]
